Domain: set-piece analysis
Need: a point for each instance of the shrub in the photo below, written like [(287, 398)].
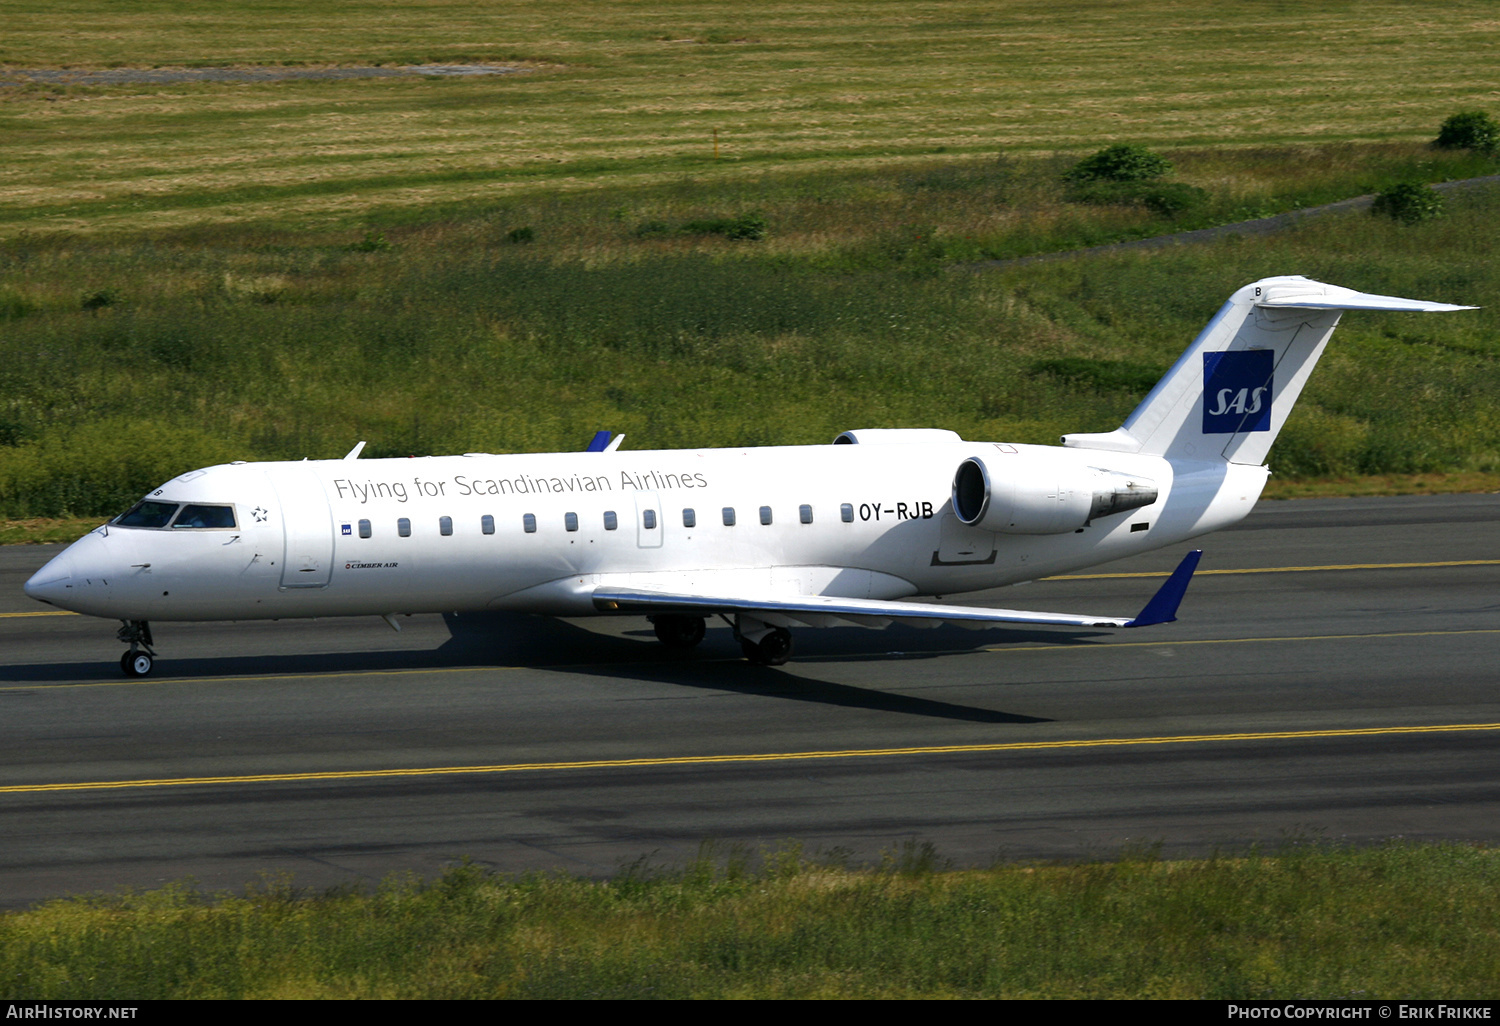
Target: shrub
[(1167, 199), (750, 226), (520, 236), (373, 242), (1469, 130), (747, 226), (1408, 203), (652, 230), (14, 305), (1172, 198), (95, 301), (1120, 164)]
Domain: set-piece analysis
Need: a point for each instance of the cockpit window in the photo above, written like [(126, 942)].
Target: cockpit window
[(205, 516), (147, 513)]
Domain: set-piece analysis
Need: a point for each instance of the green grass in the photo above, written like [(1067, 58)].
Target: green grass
[(1311, 922), (262, 343), (199, 272)]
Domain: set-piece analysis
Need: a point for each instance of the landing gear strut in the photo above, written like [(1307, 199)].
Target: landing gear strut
[(138, 661), (677, 631)]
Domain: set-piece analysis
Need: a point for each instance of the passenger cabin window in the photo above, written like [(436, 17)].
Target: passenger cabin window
[(147, 514), (689, 518), (205, 517), (610, 520), (487, 524), (805, 512), (846, 513), (403, 527), (765, 515), (364, 529), (529, 523), (445, 525), (728, 516), (648, 519), (570, 521)]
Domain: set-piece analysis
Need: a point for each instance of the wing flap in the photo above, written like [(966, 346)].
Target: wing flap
[(782, 610)]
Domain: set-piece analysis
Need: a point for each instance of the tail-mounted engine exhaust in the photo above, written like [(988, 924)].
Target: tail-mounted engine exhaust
[(1044, 501)]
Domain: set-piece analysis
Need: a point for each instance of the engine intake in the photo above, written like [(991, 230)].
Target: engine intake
[(1033, 498)]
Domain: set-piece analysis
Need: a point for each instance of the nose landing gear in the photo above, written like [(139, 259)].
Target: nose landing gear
[(138, 661)]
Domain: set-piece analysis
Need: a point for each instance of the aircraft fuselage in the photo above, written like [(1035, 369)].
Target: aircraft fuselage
[(352, 537)]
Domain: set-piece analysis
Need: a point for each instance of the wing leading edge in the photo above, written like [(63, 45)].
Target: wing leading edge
[(824, 611)]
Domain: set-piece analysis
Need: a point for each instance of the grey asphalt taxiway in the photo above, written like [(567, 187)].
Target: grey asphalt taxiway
[(1333, 676)]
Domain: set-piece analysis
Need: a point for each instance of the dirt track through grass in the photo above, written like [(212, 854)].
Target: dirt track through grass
[(162, 76), (1254, 226)]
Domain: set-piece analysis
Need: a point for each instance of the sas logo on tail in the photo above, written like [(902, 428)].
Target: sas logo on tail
[(1237, 390)]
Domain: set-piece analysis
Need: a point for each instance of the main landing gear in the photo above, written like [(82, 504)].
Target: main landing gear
[(677, 631), (772, 649), (138, 661), (762, 644)]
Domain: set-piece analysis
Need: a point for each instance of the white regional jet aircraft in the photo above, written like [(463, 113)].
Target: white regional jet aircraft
[(765, 538)]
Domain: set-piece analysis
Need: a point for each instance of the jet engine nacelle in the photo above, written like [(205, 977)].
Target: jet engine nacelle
[(897, 436), (1032, 497)]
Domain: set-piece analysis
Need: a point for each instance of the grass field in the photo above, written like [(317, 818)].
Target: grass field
[(127, 359), (631, 93), (1402, 921), (200, 272)]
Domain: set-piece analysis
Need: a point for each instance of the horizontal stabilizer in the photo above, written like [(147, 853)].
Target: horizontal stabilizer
[(1332, 297), (823, 610)]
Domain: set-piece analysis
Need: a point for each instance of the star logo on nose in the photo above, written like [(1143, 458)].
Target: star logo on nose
[(259, 514)]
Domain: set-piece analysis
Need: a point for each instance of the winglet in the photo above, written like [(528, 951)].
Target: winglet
[(1163, 605), (601, 439)]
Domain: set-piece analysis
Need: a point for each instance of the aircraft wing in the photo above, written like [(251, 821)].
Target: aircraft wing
[(823, 610)]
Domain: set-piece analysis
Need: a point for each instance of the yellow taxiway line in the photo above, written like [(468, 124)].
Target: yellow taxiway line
[(710, 760)]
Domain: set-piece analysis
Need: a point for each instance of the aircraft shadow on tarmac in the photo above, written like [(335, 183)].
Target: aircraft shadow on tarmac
[(478, 640)]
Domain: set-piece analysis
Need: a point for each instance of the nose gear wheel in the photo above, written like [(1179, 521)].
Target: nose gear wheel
[(138, 661)]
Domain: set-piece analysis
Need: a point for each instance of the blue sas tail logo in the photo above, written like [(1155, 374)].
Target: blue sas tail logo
[(1237, 390)]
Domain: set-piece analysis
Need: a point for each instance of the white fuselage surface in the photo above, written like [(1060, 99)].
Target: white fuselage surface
[(539, 532)]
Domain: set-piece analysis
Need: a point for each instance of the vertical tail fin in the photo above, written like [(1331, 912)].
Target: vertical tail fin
[(1227, 397)]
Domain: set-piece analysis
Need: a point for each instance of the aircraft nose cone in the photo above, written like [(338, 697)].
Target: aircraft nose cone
[(72, 576), (51, 581)]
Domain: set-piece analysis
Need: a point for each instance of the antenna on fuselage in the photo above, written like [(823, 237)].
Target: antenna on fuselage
[(353, 454)]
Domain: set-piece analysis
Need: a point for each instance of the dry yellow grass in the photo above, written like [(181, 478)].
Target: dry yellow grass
[(629, 93)]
